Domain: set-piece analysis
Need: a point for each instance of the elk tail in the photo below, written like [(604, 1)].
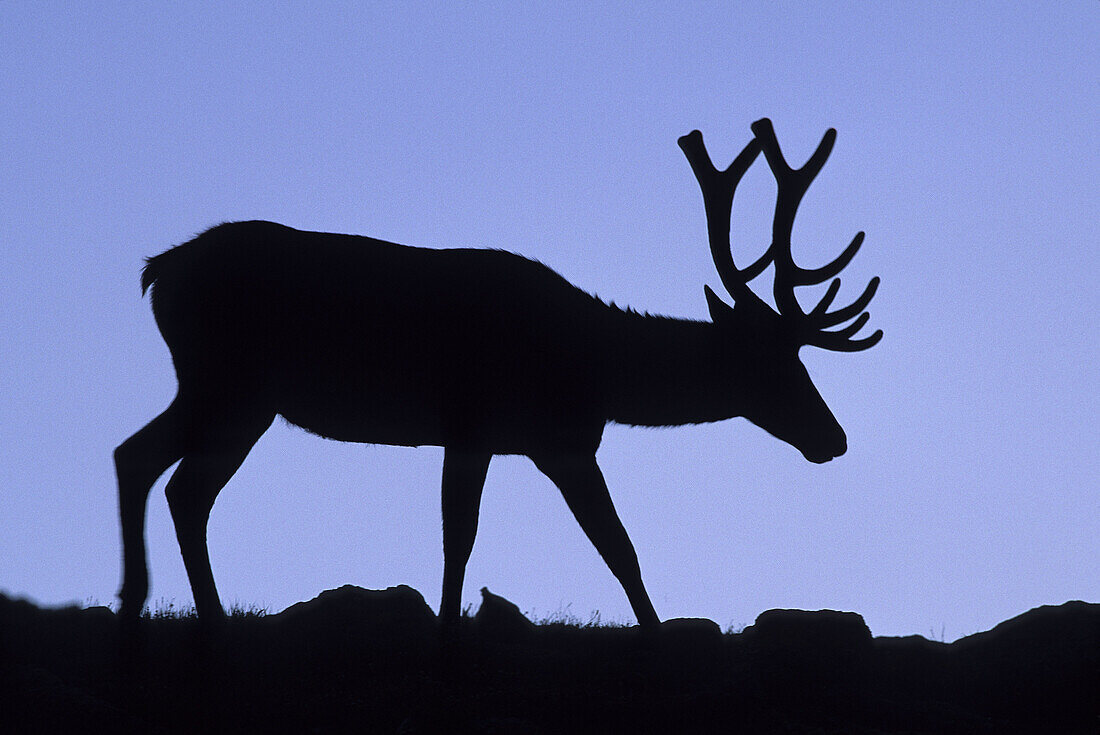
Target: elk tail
[(149, 273), (156, 266)]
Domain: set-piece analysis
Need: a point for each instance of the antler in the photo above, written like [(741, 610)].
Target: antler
[(718, 188), (792, 185)]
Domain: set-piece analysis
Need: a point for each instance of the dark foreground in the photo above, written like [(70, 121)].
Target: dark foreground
[(355, 660)]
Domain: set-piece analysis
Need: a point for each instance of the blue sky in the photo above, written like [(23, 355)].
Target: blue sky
[(967, 151)]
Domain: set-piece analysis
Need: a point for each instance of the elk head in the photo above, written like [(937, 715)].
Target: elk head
[(777, 394)]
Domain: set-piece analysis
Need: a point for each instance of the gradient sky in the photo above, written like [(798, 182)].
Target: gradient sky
[(967, 150)]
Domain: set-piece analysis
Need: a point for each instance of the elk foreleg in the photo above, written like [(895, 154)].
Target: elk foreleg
[(585, 492), (463, 480), (139, 461)]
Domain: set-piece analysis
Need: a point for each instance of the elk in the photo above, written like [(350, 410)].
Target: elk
[(481, 352)]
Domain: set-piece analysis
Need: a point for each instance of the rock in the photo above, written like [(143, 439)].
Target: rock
[(1039, 664), (821, 628), (392, 614), (691, 634), (809, 658), (499, 618)]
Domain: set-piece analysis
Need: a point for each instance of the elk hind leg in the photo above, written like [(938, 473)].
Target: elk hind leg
[(463, 481), (139, 461), (581, 483), (203, 472)]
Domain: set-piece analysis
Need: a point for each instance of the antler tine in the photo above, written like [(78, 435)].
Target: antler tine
[(840, 340), (799, 179), (822, 319), (718, 188), (820, 310), (792, 185), (813, 276)]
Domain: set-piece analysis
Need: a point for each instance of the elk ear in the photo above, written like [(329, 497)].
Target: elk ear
[(720, 311)]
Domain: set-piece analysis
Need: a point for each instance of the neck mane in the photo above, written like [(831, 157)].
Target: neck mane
[(664, 371)]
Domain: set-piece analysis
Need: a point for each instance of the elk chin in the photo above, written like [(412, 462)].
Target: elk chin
[(821, 455), (819, 458)]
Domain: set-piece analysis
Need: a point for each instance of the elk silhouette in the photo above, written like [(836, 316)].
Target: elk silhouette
[(481, 352)]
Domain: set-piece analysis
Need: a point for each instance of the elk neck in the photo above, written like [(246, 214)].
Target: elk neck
[(664, 371)]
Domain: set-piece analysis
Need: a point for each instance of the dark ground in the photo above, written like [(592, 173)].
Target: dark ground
[(363, 661)]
